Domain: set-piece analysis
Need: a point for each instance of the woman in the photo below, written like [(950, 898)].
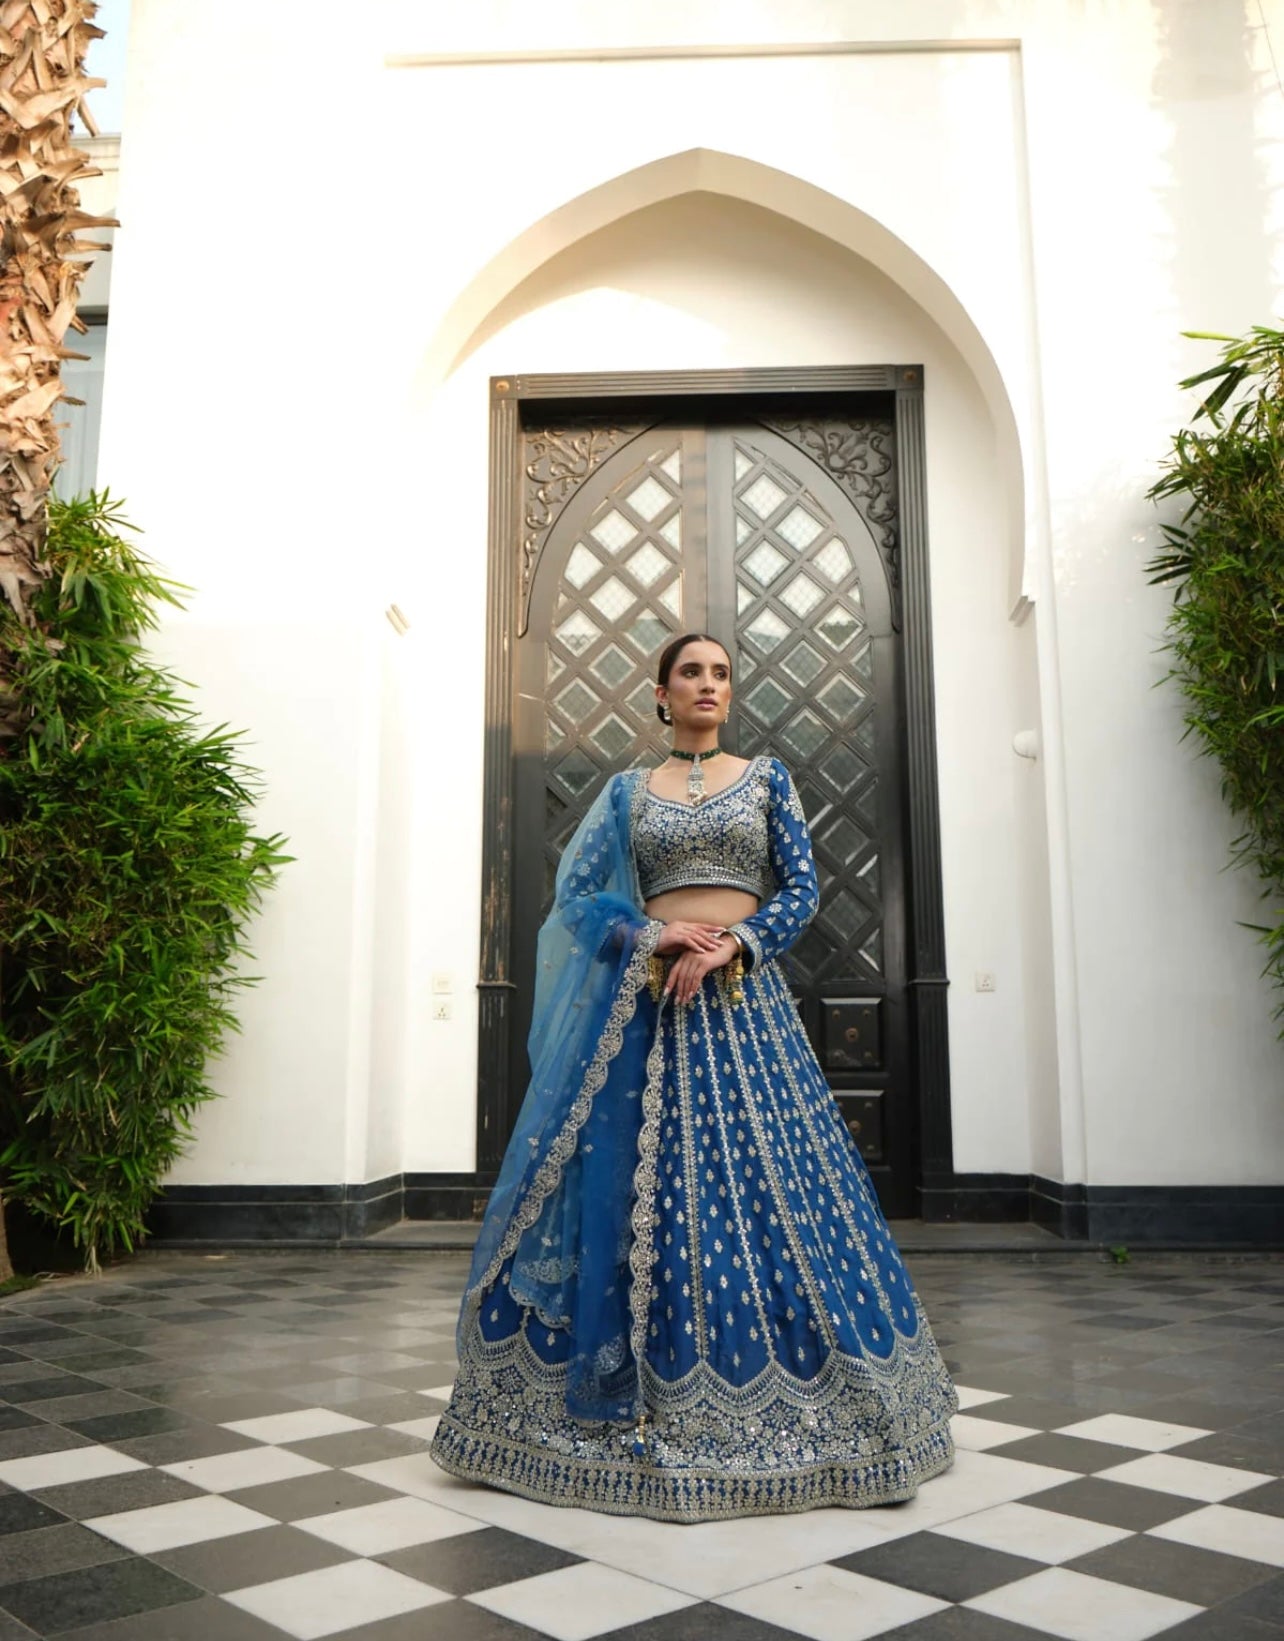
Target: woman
[(684, 1302)]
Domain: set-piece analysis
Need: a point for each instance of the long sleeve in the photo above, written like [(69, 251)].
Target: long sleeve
[(775, 927)]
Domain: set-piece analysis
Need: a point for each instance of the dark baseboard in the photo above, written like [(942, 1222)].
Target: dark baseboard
[(1167, 1216), (330, 1214)]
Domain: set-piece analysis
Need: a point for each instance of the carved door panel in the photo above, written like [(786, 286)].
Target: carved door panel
[(780, 535)]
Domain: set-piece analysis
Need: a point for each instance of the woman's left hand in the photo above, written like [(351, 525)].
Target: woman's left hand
[(686, 975)]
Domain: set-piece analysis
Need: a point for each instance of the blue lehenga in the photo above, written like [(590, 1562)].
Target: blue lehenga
[(685, 1302)]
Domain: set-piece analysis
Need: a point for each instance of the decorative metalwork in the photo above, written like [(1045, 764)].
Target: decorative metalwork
[(559, 459), (858, 454)]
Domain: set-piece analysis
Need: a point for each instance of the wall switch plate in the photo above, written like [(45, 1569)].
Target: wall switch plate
[(441, 1009), (984, 980), (442, 982)]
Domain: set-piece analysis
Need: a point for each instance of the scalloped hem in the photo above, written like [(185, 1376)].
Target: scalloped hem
[(637, 1487)]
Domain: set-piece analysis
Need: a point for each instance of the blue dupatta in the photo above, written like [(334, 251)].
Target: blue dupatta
[(561, 1210)]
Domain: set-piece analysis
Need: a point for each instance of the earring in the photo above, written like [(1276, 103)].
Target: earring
[(666, 717)]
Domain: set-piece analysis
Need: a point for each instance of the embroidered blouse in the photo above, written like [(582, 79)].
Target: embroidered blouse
[(752, 835)]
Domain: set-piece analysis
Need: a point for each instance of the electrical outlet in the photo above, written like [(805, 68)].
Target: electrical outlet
[(441, 1009), (984, 980)]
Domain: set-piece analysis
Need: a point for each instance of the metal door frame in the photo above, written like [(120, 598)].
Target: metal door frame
[(509, 578)]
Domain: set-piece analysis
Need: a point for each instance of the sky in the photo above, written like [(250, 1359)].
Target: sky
[(107, 62)]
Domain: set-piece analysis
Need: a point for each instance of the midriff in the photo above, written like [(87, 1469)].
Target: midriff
[(702, 905)]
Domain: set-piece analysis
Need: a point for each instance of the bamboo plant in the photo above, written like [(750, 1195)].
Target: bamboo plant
[(1224, 558), (130, 869)]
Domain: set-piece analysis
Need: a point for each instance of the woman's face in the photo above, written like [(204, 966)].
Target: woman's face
[(698, 694)]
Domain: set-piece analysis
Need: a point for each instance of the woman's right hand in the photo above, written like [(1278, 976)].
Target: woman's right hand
[(682, 936)]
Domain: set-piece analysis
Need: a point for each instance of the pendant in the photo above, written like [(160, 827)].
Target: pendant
[(695, 782)]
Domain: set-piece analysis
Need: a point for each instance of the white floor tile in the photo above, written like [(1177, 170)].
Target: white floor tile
[(1186, 1478), (441, 1392), (297, 1427), (417, 1475), (1152, 1435), (68, 1465), (1043, 1535), (251, 1467), (830, 1604), (392, 1524), (311, 1605), (977, 1398), (1078, 1608), (1233, 1532), (975, 1481), (716, 1557), (577, 1603), (979, 1435), (425, 1429), (188, 1521)]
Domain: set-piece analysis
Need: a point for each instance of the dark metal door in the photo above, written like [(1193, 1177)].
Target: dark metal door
[(780, 536)]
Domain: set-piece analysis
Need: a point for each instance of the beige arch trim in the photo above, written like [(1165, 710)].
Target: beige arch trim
[(705, 170)]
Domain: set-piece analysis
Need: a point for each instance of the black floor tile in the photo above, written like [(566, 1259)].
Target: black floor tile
[(68, 1600), (315, 1495), (20, 1513), (445, 1621), (1251, 1446), (1182, 1571), (140, 1421), (1115, 1503), (1223, 1626), (1068, 1453), (192, 1439), (256, 1557), (1268, 1499), (104, 1496), (206, 1619), (936, 1565), (36, 1390), (16, 1418), (962, 1624), (53, 1550), (704, 1622), (1035, 1412), (468, 1562), (38, 1438), (352, 1447), (1264, 1601)]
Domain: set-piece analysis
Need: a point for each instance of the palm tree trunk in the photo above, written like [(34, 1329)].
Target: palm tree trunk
[(42, 85)]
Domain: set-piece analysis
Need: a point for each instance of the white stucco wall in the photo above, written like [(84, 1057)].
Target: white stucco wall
[(315, 310)]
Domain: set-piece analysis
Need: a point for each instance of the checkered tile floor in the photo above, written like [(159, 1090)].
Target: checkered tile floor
[(233, 1448)]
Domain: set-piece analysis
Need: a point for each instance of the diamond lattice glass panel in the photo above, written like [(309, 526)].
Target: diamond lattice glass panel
[(648, 632), (641, 700), (577, 700), (554, 666), (840, 698), (611, 737), (649, 498), (864, 734), (803, 665), (841, 767), (613, 532), (764, 496), (844, 914), (648, 564), (870, 878), (613, 598), (802, 596), (765, 563), (838, 627), (810, 954), (577, 772), (805, 734), (745, 596), (612, 667), (672, 465), (671, 598), (799, 528), (872, 951), (577, 632), (834, 561), (862, 664), (766, 630), (582, 565), (867, 804), (743, 530), (553, 736), (844, 840), (743, 465), (671, 530), (767, 701)]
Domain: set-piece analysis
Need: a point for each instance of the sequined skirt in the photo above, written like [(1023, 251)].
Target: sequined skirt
[(788, 1363)]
